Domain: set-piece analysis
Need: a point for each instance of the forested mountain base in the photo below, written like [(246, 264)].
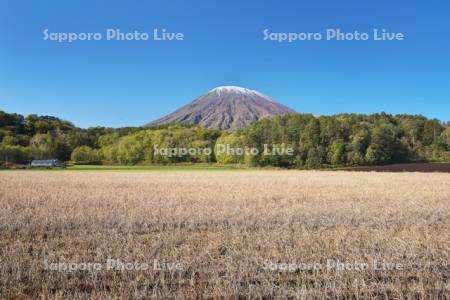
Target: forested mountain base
[(339, 140)]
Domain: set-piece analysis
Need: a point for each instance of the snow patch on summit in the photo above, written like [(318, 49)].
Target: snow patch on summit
[(238, 90)]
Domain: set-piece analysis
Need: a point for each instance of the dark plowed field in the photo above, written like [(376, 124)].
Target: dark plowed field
[(413, 167)]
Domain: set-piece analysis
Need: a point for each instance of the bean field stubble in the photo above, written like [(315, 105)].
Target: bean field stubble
[(240, 234)]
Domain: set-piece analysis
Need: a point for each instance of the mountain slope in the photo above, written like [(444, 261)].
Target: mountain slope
[(226, 107)]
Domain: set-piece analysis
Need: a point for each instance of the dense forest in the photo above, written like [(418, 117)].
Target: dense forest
[(339, 140)]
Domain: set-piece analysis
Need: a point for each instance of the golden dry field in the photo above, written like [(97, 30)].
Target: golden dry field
[(224, 234)]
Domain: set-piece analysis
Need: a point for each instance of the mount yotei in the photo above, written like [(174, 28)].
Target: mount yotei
[(226, 108)]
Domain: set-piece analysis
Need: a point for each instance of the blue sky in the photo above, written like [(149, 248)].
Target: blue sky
[(129, 83)]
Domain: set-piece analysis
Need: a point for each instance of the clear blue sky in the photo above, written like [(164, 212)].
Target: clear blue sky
[(113, 83)]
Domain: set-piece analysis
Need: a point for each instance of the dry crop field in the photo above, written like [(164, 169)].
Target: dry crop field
[(224, 234)]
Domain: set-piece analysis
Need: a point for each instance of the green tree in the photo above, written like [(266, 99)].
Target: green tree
[(231, 141), (85, 155), (336, 154), (44, 146), (371, 156), (313, 159)]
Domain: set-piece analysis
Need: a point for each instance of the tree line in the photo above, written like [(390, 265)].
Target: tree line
[(317, 141)]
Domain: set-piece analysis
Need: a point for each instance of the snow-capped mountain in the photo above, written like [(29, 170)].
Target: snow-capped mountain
[(226, 107)]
